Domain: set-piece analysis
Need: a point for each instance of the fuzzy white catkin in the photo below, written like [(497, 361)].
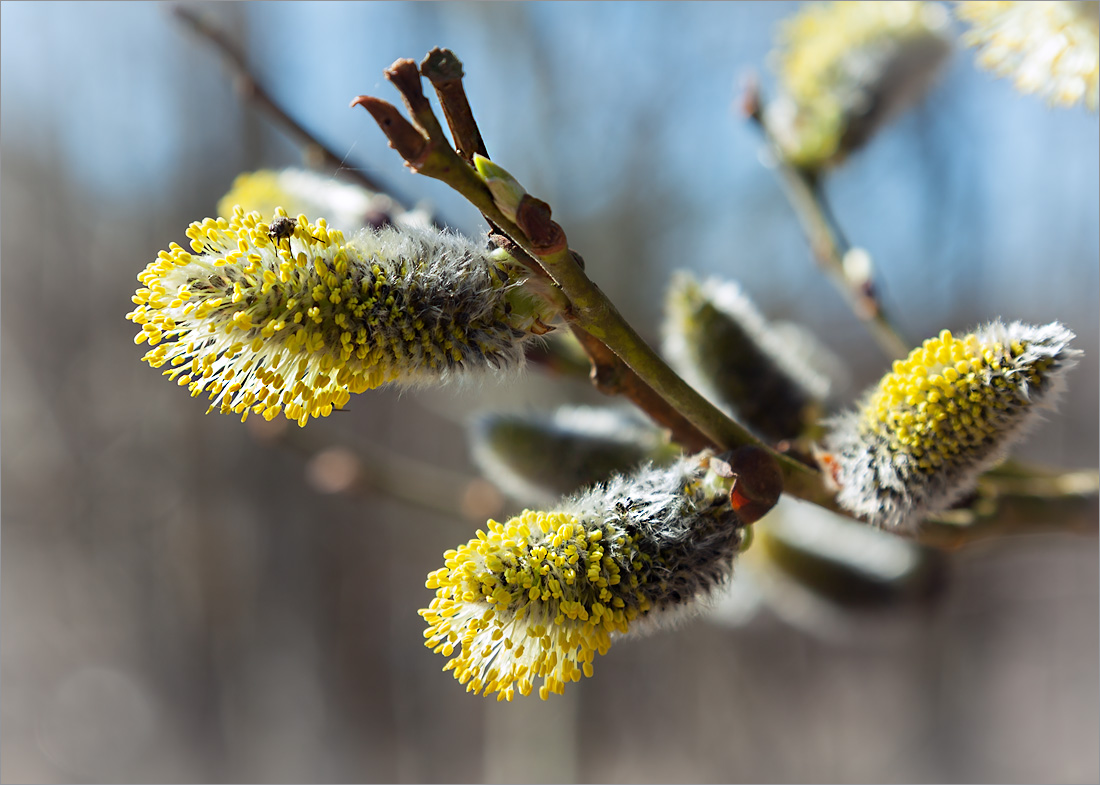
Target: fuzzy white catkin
[(543, 593), (291, 318), (945, 415), (847, 68), (1048, 48)]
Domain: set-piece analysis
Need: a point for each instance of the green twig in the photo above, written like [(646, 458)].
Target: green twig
[(1065, 504)]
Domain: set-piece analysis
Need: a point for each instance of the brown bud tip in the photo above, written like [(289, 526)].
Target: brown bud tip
[(830, 467), (441, 65), (404, 137), (757, 482), (750, 97), (405, 76), (533, 219)]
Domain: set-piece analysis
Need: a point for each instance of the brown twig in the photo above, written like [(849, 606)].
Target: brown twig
[(444, 71), (403, 136), (612, 376), (252, 91)]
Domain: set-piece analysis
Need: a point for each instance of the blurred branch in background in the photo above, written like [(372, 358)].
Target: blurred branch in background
[(850, 269), (252, 90), (1017, 501), (364, 471)]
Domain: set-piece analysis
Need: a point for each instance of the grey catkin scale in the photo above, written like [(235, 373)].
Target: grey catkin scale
[(686, 529), (441, 306)]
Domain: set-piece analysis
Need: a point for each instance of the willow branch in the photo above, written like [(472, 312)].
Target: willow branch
[(1035, 483), (827, 244), (612, 376), (591, 310)]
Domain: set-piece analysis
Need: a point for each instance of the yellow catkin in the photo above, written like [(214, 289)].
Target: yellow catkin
[(287, 317), (943, 415), (539, 596), (1049, 48), (837, 61)]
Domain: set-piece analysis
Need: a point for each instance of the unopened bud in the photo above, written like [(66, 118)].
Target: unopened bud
[(506, 190), (717, 340), (539, 457)]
